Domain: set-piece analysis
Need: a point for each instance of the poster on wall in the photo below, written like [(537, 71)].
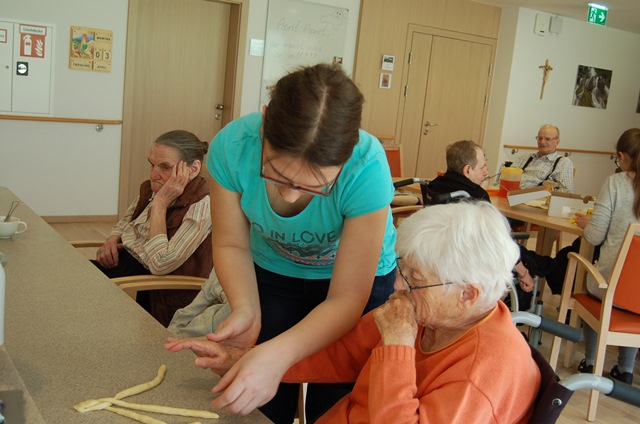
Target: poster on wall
[(32, 41), (90, 49), (592, 87)]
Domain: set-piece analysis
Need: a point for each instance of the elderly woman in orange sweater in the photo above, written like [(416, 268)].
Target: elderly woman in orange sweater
[(437, 350)]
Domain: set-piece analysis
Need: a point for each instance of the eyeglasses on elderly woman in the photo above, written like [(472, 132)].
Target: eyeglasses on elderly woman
[(411, 287)]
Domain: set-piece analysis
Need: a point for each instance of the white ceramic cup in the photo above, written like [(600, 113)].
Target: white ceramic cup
[(7, 229)]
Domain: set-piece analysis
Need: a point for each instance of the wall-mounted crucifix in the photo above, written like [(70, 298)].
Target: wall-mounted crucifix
[(545, 68)]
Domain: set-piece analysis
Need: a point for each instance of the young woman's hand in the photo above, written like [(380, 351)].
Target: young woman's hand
[(582, 220), (252, 381), (240, 329)]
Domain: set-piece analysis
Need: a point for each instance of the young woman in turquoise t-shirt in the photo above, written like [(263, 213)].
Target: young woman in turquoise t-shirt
[(302, 233)]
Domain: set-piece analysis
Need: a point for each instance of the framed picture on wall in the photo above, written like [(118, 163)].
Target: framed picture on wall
[(385, 80), (388, 62), (638, 106), (592, 87)]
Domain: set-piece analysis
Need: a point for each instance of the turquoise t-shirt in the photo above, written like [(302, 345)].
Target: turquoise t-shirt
[(305, 245)]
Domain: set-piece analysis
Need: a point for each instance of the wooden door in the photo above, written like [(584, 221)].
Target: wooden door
[(415, 91), (446, 98), (175, 78)]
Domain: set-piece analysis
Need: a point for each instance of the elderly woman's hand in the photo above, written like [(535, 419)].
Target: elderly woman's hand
[(396, 320), (174, 186), (108, 254), (218, 357)]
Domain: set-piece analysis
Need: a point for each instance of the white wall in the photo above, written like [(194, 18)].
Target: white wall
[(516, 111), (253, 64), (60, 168)]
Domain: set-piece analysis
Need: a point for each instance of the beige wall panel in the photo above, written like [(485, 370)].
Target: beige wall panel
[(463, 16), (384, 26), (383, 29)]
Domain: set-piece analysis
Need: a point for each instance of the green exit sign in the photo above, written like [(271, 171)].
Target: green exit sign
[(597, 14)]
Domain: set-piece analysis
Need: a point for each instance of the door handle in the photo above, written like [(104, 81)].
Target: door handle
[(426, 127), (218, 115)]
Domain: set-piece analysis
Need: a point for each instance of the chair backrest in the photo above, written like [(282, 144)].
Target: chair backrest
[(624, 275), (183, 288), (394, 157), (133, 284)]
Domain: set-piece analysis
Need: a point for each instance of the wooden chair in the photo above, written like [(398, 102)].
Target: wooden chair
[(408, 198), (133, 284), (617, 326), (404, 202), (394, 157), (184, 288)]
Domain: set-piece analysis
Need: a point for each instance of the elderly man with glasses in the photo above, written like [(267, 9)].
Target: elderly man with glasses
[(546, 164), (442, 348)]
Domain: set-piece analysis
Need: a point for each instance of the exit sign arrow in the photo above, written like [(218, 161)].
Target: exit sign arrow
[(597, 14)]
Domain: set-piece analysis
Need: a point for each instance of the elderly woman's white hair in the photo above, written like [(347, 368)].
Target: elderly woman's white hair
[(463, 243)]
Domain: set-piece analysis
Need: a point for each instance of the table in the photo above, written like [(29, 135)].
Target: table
[(548, 227), (10, 381), (72, 335)]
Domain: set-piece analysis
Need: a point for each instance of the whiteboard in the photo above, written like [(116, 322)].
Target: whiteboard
[(300, 33)]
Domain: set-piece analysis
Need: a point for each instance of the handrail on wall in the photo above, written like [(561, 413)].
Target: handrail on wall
[(66, 120), (515, 148)]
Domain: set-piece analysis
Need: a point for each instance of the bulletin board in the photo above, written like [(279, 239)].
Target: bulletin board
[(300, 33), (90, 49)]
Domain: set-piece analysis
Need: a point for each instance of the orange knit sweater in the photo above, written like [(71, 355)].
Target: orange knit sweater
[(486, 376)]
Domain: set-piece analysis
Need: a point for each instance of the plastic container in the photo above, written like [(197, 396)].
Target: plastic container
[(493, 191), (509, 180)]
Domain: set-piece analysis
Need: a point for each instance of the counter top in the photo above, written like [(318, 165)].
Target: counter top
[(73, 335), (11, 381)]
